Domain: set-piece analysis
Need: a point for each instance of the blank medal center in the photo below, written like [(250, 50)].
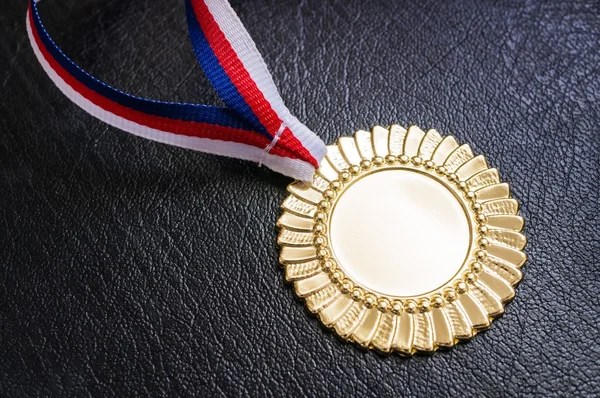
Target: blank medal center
[(399, 233)]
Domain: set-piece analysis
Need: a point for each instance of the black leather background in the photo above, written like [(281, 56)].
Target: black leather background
[(133, 268)]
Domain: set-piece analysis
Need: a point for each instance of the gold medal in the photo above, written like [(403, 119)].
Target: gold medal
[(404, 241)]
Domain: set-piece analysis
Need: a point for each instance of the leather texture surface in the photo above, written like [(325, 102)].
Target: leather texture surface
[(133, 268)]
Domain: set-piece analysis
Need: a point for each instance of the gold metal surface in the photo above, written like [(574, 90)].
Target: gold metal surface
[(405, 241)]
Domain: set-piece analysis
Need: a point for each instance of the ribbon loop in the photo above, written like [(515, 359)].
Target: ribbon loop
[(256, 125)]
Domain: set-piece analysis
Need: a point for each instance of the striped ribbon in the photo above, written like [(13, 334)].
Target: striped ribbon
[(256, 125)]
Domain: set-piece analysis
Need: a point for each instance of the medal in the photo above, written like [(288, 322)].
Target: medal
[(398, 239), (404, 241)]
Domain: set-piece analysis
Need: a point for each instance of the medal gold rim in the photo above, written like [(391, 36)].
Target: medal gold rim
[(455, 311)]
